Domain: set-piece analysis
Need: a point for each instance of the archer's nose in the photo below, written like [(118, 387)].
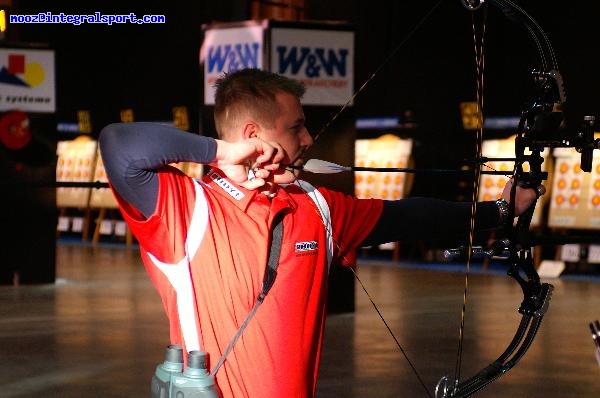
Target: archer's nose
[(306, 139)]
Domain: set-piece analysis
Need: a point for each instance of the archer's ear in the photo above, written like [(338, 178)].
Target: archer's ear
[(249, 130)]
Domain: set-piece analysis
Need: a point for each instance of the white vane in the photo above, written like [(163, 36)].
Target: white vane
[(318, 166)]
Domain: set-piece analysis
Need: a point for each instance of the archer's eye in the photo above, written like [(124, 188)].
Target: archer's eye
[(297, 128)]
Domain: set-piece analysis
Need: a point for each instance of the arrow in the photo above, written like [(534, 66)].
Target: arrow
[(318, 166)]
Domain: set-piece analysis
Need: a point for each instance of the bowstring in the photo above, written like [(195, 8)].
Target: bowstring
[(353, 265), (479, 70), (390, 56)]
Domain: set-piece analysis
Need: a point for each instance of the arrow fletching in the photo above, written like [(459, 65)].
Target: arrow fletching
[(318, 166)]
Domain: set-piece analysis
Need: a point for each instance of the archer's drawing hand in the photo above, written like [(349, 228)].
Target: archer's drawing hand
[(249, 162)]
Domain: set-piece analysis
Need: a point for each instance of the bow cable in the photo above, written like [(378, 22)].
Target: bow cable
[(479, 70), (352, 265), (479, 61), (328, 227)]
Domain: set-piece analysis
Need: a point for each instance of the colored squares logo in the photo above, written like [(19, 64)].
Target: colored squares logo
[(19, 72)]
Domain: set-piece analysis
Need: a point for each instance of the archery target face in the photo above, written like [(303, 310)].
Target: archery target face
[(575, 193), (568, 183), (387, 151), (101, 197), (75, 162)]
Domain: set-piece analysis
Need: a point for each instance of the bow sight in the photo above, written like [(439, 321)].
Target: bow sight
[(542, 124)]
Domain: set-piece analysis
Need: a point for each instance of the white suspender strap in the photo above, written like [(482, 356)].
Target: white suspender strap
[(323, 207)]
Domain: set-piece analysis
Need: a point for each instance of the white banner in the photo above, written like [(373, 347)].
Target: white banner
[(27, 80), (322, 59), (227, 49)]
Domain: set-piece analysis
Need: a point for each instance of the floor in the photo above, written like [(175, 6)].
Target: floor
[(99, 331)]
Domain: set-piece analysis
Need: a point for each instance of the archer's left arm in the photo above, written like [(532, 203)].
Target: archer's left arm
[(419, 218)]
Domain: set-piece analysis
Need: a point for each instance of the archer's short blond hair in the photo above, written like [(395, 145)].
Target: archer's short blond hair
[(250, 93)]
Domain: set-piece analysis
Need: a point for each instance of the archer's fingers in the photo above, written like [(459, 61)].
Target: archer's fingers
[(253, 183), (271, 157)]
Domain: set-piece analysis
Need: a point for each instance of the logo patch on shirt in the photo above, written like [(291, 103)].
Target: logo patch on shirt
[(309, 246), (226, 185)]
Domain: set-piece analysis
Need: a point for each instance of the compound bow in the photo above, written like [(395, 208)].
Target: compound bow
[(540, 127)]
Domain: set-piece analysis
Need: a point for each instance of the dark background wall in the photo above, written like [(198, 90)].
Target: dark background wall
[(152, 68), (151, 65)]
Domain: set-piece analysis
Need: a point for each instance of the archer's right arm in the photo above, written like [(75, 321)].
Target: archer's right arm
[(133, 152)]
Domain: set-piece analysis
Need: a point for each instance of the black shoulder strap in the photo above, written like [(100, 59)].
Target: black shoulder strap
[(268, 280), (274, 251)]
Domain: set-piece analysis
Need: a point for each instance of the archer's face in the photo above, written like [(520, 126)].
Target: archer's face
[(291, 133)]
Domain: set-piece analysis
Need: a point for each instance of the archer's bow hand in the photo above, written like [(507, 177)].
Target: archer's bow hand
[(524, 196)]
